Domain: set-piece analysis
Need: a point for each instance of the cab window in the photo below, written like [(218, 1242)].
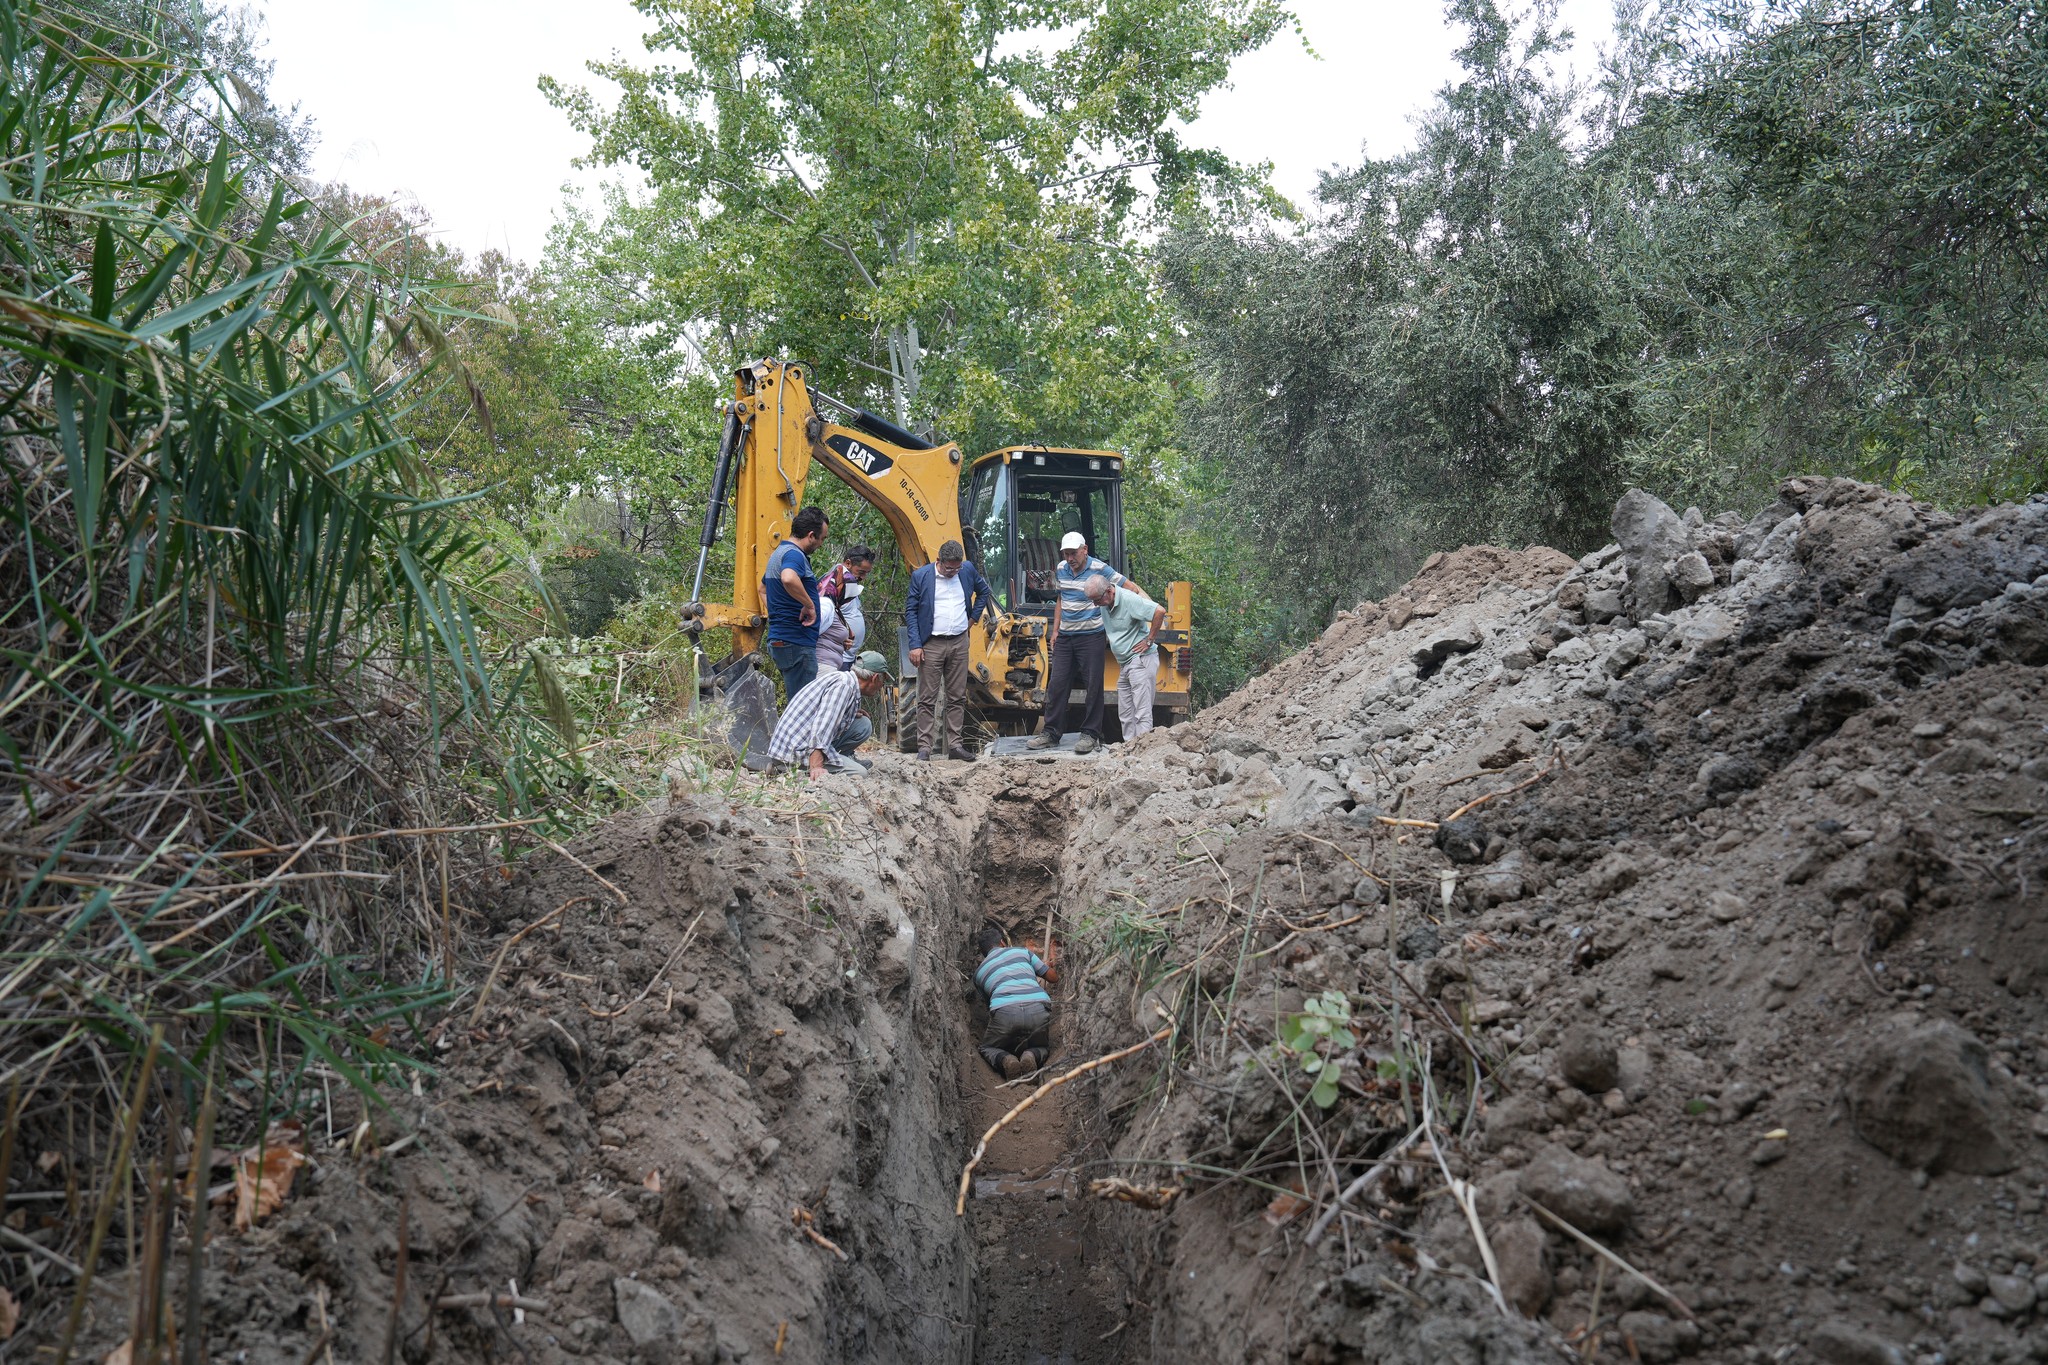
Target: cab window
[(1047, 509), (987, 526)]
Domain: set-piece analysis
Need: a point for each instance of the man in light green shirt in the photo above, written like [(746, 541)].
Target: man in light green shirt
[(1132, 621)]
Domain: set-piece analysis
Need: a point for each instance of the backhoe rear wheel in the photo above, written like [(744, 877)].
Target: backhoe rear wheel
[(906, 717)]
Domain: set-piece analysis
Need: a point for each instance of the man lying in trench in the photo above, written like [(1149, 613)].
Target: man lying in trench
[(1017, 1040)]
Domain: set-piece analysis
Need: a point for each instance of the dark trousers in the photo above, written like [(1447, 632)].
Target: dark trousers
[(942, 686), (1014, 1030), (1076, 662), (798, 665)]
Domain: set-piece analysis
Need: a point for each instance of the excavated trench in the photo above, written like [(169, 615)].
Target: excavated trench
[(715, 1103), (717, 1113), (1046, 1291)]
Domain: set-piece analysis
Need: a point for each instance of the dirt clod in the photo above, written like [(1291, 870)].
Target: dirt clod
[(1843, 1343), (1588, 1059), (1920, 1094), (1580, 1190)]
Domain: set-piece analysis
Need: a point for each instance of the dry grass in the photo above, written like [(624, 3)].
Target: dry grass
[(263, 746)]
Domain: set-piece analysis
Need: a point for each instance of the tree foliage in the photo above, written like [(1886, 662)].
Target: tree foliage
[(247, 637), (932, 200), (1432, 361), (1863, 182), (941, 205), (1799, 235)]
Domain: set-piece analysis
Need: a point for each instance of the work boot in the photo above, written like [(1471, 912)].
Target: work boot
[(1041, 740), (924, 755), (1013, 1067), (961, 752), (1086, 744), (1035, 1058)]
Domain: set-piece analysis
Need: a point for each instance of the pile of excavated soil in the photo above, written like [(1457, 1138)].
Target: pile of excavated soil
[(1748, 951), (1717, 1011)]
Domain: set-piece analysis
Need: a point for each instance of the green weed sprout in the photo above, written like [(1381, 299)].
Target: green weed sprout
[(1320, 1036)]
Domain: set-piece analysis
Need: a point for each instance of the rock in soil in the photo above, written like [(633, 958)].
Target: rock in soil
[(1843, 1343), (1580, 1190), (1657, 1339), (1921, 1095)]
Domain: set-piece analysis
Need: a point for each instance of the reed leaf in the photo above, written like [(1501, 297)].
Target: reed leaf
[(239, 648)]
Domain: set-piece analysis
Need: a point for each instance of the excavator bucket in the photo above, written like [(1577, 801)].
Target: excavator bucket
[(740, 700)]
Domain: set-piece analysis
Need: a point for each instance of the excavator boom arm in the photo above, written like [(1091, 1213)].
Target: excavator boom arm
[(773, 434)]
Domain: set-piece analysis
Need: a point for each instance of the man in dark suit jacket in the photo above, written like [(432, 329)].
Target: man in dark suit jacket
[(945, 599)]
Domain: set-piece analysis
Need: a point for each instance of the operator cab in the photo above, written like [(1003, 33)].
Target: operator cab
[(1022, 500)]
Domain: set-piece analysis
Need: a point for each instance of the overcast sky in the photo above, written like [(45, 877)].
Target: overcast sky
[(436, 100)]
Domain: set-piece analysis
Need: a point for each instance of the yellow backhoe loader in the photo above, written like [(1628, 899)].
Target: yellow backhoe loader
[(1009, 511)]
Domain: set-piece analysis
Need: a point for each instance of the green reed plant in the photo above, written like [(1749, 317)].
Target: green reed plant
[(254, 730)]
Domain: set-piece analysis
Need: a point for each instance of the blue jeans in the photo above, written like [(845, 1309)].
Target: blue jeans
[(798, 665), (855, 733)]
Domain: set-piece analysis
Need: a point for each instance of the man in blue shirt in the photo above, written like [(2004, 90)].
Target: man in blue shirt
[(1018, 1036), (945, 598), (789, 599), (1078, 646)]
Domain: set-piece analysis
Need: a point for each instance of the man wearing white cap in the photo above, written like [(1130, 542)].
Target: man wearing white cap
[(1078, 646)]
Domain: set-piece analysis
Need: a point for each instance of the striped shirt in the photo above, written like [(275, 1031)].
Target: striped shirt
[(1077, 614), (1009, 976), (815, 715)]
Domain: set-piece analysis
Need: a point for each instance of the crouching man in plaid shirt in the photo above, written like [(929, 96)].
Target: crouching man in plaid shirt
[(822, 725)]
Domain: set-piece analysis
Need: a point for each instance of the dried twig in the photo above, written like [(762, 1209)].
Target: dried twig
[(319, 1345), (248, 892), (195, 1268), (1481, 772), (1359, 1186), (981, 1148), (1656, 1288), (414, 832), (508, 945), (648, 989), (1556, 762), (491, 1301), (117, 1181), (1462, 1193), (35, 1248)]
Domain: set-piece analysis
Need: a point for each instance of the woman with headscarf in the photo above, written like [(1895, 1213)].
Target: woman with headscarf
[(852, 569), (841, 629)]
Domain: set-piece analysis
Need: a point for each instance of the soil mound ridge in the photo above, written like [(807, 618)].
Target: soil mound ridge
[(1731, 959)]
